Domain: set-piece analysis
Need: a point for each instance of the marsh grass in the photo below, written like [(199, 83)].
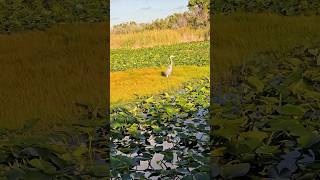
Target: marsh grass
[(150, 38), (43, 73), (127, 85), (239, 36)]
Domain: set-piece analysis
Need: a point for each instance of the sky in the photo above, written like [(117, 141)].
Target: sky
[(144, 11)]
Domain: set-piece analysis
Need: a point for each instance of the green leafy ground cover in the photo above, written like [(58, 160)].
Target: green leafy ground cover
[(267, 126), (171, 128), (164, 137), (80, 151), (123, 59), (288, 7), (39, 14)]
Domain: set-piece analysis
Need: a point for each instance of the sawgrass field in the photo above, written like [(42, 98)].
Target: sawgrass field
[(149, 38)]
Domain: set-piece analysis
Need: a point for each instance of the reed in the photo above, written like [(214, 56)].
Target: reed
[(150, 38)]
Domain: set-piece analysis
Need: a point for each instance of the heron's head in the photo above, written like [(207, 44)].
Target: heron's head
[(171, 57)]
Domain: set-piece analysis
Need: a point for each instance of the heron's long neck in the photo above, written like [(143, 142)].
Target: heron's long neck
[(171, 62)]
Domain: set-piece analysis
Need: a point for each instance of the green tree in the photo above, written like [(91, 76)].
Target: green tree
[(199, 13), (201, 4)]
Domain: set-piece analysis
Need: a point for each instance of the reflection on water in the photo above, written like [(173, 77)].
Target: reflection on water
[(189, 131)]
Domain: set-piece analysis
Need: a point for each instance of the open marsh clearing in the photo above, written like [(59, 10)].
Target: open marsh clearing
[(127, 85), (137, 72)]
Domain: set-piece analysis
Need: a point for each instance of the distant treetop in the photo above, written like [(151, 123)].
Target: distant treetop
[(196, 17)]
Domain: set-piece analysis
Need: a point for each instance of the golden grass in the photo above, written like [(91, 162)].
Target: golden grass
[(44, 72), (150, 38), (148, 81), (239, 36)]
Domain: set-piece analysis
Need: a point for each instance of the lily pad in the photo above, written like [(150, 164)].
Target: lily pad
[(290, 109)]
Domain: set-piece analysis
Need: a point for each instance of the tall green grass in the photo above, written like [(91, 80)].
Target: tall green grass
[(239, 36), (43, 73)]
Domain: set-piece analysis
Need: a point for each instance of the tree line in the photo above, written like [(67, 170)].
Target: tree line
[(281, 7), (20, 15), (197, 16)]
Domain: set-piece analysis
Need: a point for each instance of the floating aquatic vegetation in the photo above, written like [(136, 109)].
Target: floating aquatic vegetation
[(76, 152), (270, 128), (164, 137)]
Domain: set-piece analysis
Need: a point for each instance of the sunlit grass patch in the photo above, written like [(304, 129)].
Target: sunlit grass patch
[(150, 38), (126, 85)]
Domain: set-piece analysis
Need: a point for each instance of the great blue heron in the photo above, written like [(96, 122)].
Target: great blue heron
[(170, 67)]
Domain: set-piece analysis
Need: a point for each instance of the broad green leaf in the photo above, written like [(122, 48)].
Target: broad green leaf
[(268, 150), (202, 176), (15, 173), (308, 140), (312, 74), (168, 156), (255, 83), (218, 151), (158, 148), (99, 170), (228, 128), (133, 129), (290, 109), (252, 139), (156, 128), (43, 165), (32, 175), (301, 89), (56, 148), (149, 100), (188, 177), (235, 170), (79, 151)]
